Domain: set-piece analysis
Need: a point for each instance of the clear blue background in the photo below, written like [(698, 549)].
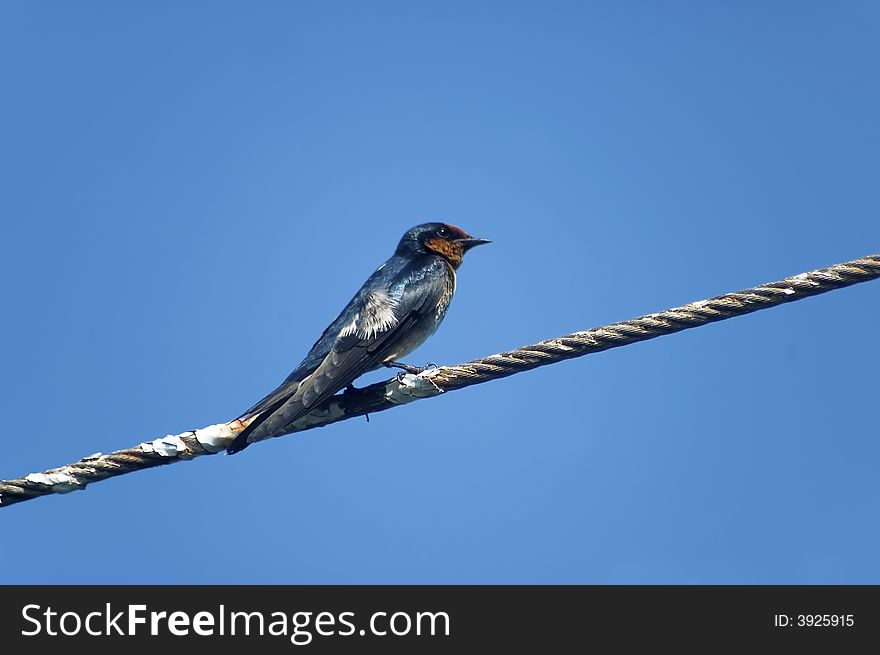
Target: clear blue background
[(191, 191)]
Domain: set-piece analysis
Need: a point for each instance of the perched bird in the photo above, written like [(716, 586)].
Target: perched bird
[(399, 306)]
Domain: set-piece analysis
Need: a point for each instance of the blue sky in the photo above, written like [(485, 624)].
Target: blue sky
[(192, 191)]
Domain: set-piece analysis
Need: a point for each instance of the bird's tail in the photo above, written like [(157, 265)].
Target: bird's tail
[(242, 440)]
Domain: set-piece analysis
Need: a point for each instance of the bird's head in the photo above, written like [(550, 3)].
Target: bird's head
[(442, 239)]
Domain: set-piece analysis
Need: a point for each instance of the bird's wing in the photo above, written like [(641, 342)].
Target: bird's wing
[(349, 358), (318, 351), (380, 325), (284, 391)]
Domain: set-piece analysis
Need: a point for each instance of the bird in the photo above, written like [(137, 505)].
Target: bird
[(399, 306)]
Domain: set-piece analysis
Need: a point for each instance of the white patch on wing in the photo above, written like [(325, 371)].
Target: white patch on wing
[(378, 315), (351, 328)]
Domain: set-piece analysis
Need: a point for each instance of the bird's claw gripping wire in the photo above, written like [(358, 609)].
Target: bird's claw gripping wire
[(409, 368)]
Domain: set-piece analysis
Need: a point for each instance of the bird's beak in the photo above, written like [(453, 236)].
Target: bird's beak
[(471, 242)]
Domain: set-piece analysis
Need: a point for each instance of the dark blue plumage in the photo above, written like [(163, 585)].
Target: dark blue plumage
[(396, 309)]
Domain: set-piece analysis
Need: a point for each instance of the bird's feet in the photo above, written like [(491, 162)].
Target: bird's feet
[(409, 368)]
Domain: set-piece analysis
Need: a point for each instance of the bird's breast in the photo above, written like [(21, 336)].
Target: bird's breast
[(429, 321)]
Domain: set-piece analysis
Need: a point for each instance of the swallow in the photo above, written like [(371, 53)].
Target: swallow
[(397, 308)]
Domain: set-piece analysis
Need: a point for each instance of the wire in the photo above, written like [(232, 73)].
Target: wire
[(406, 388)]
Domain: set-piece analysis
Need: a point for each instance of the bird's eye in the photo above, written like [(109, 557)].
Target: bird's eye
[(443, 232)]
